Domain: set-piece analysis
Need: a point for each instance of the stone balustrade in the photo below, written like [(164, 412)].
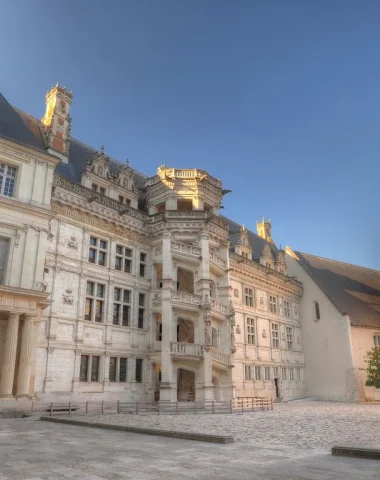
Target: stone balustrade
[(218, 306), (186, 349), (187, 298), (217, 260), (221, 357), (186, 249)]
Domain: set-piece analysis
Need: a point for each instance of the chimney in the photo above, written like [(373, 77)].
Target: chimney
[(57, 121), (264, 230)]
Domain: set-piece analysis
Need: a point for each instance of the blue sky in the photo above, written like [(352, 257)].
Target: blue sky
[(278, 99)]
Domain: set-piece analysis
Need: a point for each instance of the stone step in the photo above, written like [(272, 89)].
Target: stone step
[(372, 453)]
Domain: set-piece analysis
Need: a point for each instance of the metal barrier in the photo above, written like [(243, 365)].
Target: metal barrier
[(238, 405)]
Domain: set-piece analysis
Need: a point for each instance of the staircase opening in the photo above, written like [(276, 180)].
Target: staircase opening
[(186, 385)]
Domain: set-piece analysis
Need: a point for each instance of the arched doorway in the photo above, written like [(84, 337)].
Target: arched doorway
[(185, 385)]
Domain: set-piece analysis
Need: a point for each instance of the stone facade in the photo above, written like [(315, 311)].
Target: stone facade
[(135, 292)]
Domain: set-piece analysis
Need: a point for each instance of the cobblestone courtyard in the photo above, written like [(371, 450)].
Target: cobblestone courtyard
[(291, 443)]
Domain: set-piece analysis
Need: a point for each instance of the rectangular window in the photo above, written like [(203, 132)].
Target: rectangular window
[(257, 372), (287, 309), (139, 370), (248, 372), (142, 264), (273, 303), (102, 190), (376, 340), (291, 374), (89, 368), (97, 252), (283, 373), (121, 307), (275, 372), (94, 306), (7, 179), (123, 259), (95, 363), (158, 331), (118, 369), (140, 323), (83, 374), (289, 338), (4, 247), (251, 334), (113, 369), (266, 373), (275, 335), (298, 373), (94, 187), (249, 297)]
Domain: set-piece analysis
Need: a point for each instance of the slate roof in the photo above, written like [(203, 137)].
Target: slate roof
[(353, 290)]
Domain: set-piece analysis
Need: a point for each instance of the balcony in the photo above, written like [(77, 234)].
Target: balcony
[(185, 249), (217, 261), (184, 299), (218, 307), (186, 349), (224, 358)]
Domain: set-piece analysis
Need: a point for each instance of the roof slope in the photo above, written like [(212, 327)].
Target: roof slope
[(353, 290), (14, 126)]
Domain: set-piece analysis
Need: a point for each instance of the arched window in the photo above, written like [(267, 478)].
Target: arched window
[(317, 312)]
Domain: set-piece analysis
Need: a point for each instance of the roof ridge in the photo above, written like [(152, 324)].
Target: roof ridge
[(339, 261), (79, 141)]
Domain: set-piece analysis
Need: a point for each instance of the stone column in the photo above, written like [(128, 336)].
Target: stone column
[(9, 356), (168, 390), (25, 364)]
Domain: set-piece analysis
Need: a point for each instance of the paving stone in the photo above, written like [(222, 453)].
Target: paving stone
[(291, 443)]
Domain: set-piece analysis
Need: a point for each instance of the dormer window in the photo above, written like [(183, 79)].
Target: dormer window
[(98, 188), (316, 311)]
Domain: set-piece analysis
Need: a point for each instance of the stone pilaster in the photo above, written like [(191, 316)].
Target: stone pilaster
[(9, 356), (25, 364)]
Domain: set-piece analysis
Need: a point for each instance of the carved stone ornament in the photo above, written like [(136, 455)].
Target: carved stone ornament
[(236, 293), (157, 298), (107, 354), (238, 329), (298, 340), (50, 350), (68, 298), (233, 346), (208, 335), (73, 243), (264, 334)]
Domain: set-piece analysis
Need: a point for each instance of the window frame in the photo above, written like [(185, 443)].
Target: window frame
[(139, 361), (251, 330), (117, 372), (97, 249), (141, 310), (94, 298), (287, 309), (4, 280), (283, 373), (289, 337), (258, 372), (267, 374), (122, 304), (89, 368), (376, 340), (124, 258), (4, 176), (143, 264), (275, 335), (273, 303), (248, 295)]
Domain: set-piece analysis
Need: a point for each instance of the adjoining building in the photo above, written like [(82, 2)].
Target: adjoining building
[(340, 311)]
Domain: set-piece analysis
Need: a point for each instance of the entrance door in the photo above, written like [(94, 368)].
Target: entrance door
[(277, 388)]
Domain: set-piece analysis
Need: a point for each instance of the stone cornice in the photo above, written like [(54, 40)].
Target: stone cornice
[(76, 215), (25, 154), (247, 267), (16, 204)]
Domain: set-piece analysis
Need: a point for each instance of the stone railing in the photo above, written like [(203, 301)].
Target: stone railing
[(186, 249), (187, 298), (221, 357), (186, 214), (218, 306), (92, 196), (217, 260), (190, 349)]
